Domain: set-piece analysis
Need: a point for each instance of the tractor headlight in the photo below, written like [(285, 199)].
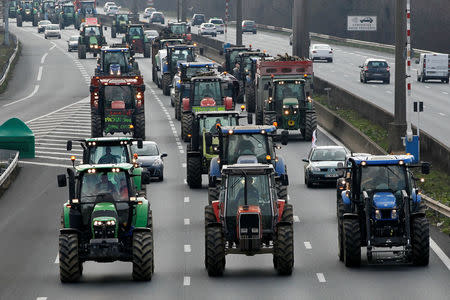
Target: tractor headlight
[(97, 223), (111, 223), (255, 230), (285, 106), (244, 230), (377, 214), (286, 112), (394, 214), (91, 46)]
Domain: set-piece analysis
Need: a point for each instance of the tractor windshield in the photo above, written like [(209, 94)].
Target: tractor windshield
[(376, 178), (92, 30), (289, 89), (178, 28), (166, 43), (115, 58), (233, 55), (122, 18), (207, 89), (181, 55), (12, 4), (87, 7), (193, 71), (27, 5), (136, 32), (211, 124), (118, 97), (109, 154), (247, 144), (247, 63), (68, 9), (93, 185)]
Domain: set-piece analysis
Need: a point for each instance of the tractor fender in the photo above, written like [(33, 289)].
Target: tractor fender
[(214, 167), (216, 209), (350, 216), (137, 178), (283, 223), (69, 230), (66, 211), (419, 214), (193, 154), (186, 104), (280, 206), (165, 68), (141, 229), (140, 217), (228, 103), (280, 168)]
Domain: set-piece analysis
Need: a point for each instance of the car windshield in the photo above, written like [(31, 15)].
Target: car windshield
[(321, 47), (328, 155), (383, 178), (211, 123), (199, 17), (178, 28), (44, 22), (52, 27), (249, 23), (247, 144), (148, 149), (158, 15), (92, 30), (68, 9), (116, 95), (216, 21), (377, 64), (208, 25), (207, 89), (108, 154), (115, 58), (101, 183), (74, 38)]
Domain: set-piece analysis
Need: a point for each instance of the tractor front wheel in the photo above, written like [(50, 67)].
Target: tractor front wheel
[(352, 242), (19, 20), (186, 126), (269, 119), (139, 127), (96, 126), (214, 251), (283, 252), (166, 84), (194, 172), (288, 214), (82, 51), (70, 266), (250, 100), (420, 242), (142, 256), (282, 191), (310, 126)]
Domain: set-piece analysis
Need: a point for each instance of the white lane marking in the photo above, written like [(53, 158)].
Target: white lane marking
[(183, 165), (36, 88), (41, 298), (389, 92), (440, 253), (296, 219), (186, 199), (321, 277), (187, 221), (52, 47), (43, 58), (427, 87), (45, 164), (39, 76), (57, 259), (307, 245), (442, 114), (182, 151), (445, 93), (187, 248), (187, 281)]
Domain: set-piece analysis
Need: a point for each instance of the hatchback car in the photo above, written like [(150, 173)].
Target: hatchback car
[(249, 26), (42, 24), (72, 43), (220, 26), (151, 34), (52, 30), (112, 10), (375, 69), (107, 4), (157, 17), (150, 158), (207, 29), (198, 19), (321, 52), (321, 166), (148, 12)]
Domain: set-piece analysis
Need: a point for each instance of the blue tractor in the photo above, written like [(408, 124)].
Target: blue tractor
[(247, 144), (116, 60), (381, 209)]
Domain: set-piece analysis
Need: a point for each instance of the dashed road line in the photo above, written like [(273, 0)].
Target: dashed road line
[(186, 199), (39, 76), (321, 277), (41, 298), (44, 57), (183, 165), (187, 281), (296, 219), (187, 248), (307, 245), (57, 259), (187, 221)]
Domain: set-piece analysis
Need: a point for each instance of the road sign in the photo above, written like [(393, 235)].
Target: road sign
[(361, 23)]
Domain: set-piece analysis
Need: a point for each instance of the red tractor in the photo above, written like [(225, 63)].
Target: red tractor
[(248, 218), (117, 105)]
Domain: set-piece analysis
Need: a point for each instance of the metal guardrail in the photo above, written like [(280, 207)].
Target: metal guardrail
[(11, 59), (436, 205), (10, 159)]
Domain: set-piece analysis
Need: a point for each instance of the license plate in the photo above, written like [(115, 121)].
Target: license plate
[(331, 175)]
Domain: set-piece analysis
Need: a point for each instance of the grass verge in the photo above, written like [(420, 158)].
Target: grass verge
[(5, 54)]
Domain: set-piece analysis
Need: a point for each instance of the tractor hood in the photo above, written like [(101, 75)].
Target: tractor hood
[(384, 200), (290, 101), (247, 159), (93, 40)]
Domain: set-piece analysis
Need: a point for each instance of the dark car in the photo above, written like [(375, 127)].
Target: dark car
[(150, 158), (249, 26), (157, 17), (198, 19), (375, 69)]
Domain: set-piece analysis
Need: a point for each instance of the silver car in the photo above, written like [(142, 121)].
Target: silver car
[(52, 30), (150, 158), (72, 43)]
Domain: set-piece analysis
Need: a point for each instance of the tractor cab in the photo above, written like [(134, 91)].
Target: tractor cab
[(244, 59), (176, 54), (120, 23), (67, 15), (83, 11), (116, 61), (231, 54), (27, 12), (12, 8), (181, 29)]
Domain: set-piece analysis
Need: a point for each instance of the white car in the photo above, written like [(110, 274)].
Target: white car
[(42, 24), (148, 12), (207, 29), (107, 4), (151, 34), (433, 66), (220, 26), (112, 10), (52, 30), (321, 52)]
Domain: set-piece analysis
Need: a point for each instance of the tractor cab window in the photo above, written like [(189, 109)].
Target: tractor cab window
[(136, 32), (118, 97), (108, 155), (230, 89), (233, 56), (98, 186), (164, 44), (178, 28), (286, 89), (246, 63), (383, 178), (181, 55), (207, 89), (122, 18), (115, 58), (191, 72), (68, 9), (211, 123), (12, 4), (27, 5), (247, 144), (92, 30)]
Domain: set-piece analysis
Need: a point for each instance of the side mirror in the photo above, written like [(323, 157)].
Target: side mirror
[(132, 53), (69, 145), (62, 180), (140, 143), (284, 179), (305, 160), (266, 86), (208, 139), (250, 119), (145, 177), (163, 155), (220, 52), (426, 168), (158, 68)]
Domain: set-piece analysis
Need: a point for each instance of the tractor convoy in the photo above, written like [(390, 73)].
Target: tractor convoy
[(108, 216)]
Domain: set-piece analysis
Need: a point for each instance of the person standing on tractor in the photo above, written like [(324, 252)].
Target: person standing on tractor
[(215, 128), (236, 71)]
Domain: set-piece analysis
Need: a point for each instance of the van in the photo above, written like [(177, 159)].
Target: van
[(433, 66)]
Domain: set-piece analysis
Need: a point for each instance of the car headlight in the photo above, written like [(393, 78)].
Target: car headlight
[(157, 162), (314, 169)]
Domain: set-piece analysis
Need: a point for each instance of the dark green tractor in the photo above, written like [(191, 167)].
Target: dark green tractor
[(119, 24), (67, 15), (104, 220), (12, 8), (26, 12), (49, 11), (85, 10), (91, 40)]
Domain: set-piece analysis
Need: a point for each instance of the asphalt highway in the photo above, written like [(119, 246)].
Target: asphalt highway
[(30, 210)]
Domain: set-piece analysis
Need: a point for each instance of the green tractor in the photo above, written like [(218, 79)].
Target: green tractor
[(26, 12), (67, 15), (112, 150), (12, 8), (204, 142), (91, 40), (119, 24), (84, 10), (104, 220), (49, 11)]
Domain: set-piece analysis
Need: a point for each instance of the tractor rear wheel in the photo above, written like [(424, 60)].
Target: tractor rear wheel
[(288, 214), (259, 118), (19, 20), (214, 251), (70, 266), (166, 84), (177, 110), (142, 256), (113, 32), (250, 100), (213, 194), (283, 252), (310, 126), (194, 172), (96, 126), (352, 242), (420, 242), (269, 119), (147, 50), (82, 51), (186, 126), (139, 127), (35, 21), (340, 240), (282, 191)]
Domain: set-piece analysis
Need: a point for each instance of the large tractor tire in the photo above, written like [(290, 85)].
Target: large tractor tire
[(288, 214), (214, 251), (35, 20), (96, 126), (269, 119), (352, 242), (147, 50), (259, 119), (186, 126), (283, 253), (70, 266), (113, 32), (310, 126), (61, 24), (250, 100), (177, 110), (139, 127), (19, 21), (213, 194), (82, 51), (194, 172), (420, 242), (143, 256), (166, 80), (282, 191), (340, 239)]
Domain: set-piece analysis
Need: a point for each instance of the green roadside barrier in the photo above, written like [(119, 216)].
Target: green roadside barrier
[(16, 135)]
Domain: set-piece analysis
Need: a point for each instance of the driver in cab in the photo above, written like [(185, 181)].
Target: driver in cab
[(108, 158)]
